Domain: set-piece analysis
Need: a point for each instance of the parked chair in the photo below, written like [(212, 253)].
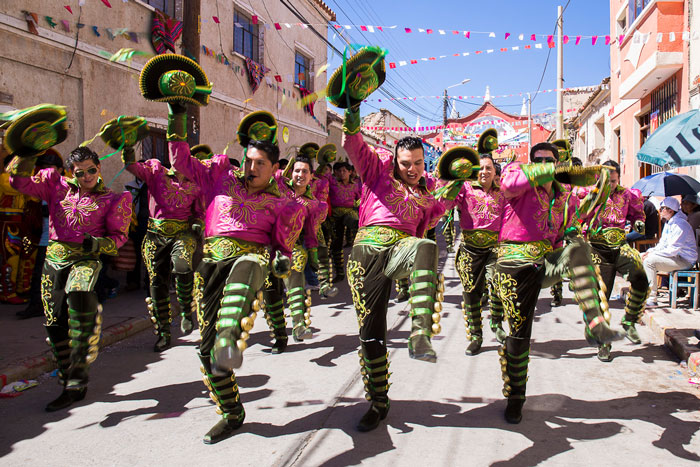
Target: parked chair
[(692, 284)]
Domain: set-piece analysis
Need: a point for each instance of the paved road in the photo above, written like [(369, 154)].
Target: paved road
[(144, 408)]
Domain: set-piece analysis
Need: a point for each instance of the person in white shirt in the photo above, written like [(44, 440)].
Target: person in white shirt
[(676, 249)]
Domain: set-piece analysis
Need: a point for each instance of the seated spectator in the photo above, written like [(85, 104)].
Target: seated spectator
[(676, 249), (651, 223), (690, 205)]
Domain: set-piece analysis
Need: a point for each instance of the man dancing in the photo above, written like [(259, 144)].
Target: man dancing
[(537, 213), (343, 195), (395, 212), (170, 239), (85, 220), (298, 297), (612, 254)]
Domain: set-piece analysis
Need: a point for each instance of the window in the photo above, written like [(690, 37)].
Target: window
[(664, 100), (636, 7), (166, 6), (622, 22), (155, 146), (644, 131), (302, 64), (618, 144), (246, 36)]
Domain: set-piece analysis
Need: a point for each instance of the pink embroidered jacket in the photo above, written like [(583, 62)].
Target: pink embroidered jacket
[(341, 195), (479, 209), (266, 217), (526, 214), (314, 211), (624, 204), (168, 198), (387, 201), (100, 213)]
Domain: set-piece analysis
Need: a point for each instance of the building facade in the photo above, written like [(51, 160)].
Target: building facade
[(51, 54), (649, 75), (590, 128)]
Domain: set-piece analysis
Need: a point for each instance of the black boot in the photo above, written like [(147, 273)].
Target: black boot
[(161, 317), (515, 356), (636, 301), (557, 294), (85, 322), (472, 321), (67, 398), (183, 292), (375, 376), (426, 304), (187, 324), (236, 318), (402, 290), (604, 353), (224, 392), (300, 306), (61, 350)]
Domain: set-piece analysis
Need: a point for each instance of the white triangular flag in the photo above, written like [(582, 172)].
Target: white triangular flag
[(645, 37), (492, 34), (521, 37), (441, 32), (671, 36), (516, 48), (686, 35), (421, 30), (538, 46), (489, 51), (402, 63), (370, 28), (660, 37)]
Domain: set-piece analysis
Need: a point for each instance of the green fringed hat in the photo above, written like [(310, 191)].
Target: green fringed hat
[(201, 152), (364, 72), (488, 141), (458, 163), (33, 130), (564, 147), (326, 154), (176, 79), (124, 131), (260, 126), (309, 150)]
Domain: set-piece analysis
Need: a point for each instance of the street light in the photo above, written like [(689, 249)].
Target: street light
[(444, 106)]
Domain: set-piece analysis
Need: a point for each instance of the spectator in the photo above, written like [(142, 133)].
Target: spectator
[(651, 223), (137, 232), (676, 249), (690, 205)]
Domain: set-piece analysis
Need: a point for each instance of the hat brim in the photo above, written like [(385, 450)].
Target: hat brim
[(481, 144), (160, 64), (309, 146), (112, 135), (42, 113), (201, 149), (452, 154), (335, 82), (249, 120), (324, 153)]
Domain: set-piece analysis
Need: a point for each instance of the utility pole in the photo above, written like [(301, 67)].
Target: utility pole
[(560, 74), (444, 119), (191, 30)]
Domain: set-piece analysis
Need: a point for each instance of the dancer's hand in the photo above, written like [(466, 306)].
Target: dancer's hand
[(90, 244), (281, 266)]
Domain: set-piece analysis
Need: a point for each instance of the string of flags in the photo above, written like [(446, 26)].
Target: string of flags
[(452, 127), (541, 91), (289, 97)]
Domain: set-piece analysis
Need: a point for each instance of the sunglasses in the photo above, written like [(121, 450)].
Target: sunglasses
[(539, 160), (81, 173)]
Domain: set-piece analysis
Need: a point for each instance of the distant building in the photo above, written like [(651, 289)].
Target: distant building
[(512, 132), (589, 129)]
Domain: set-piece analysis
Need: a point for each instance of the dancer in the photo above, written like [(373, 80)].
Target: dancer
[(395, 213), (480, 205), (297, 188), (612, 254), (85, 220), (320, 188), (537, 213), (564, 155), (170, 242), (344, 193)]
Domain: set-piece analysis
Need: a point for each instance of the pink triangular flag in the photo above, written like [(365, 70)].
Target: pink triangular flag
[(594, 39), (578, 40), (67, 7), (106, 2), (216, 19), (467, 34), (565, 39), (533, 38), (507, 35)]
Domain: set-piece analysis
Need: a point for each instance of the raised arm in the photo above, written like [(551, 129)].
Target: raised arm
[(42, 185)]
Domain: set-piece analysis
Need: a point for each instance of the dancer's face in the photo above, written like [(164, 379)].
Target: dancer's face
[(87, 174), (301, 175), (258, 169), (487, 173), (410, 165), (614, 179), (344, 174)]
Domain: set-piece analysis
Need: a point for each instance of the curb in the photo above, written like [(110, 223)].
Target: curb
[(32, 367), (676, 340)]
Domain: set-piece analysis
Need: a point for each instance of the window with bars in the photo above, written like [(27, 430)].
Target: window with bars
[(664, 99), (166, 6), (246, 36), (636, 7), (302, 65)]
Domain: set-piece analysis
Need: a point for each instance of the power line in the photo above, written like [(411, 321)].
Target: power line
[(549, 52)]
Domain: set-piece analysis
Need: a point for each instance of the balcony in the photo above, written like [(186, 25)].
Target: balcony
[(656, 69)]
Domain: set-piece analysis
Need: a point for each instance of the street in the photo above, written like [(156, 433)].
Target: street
[(144, 408)]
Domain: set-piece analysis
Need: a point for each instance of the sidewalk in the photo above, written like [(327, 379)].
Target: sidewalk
[(675, 327), (24, 353)]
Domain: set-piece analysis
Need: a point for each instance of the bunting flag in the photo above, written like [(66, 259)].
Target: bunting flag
[(51, 22), (164, 32), (32, 22), (256, 72), (309, 103)]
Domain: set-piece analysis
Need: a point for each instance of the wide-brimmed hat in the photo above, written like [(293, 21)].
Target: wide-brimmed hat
[(124, 131), (201, 151), (488, 141), (176, 79), (326, 154), (260, 126), (458, 163), (362, 74), (33, 130), (564, 147), (309, 150)]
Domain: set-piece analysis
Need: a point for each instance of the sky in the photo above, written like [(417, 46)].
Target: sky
[(510, 72)]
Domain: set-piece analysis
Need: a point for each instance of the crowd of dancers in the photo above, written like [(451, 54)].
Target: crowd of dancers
[(264, 232)]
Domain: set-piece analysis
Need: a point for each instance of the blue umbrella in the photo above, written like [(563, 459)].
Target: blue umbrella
[(676, 143), (667, 184)]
